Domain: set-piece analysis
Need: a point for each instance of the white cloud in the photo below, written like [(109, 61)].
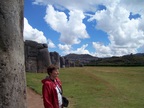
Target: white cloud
[(125, 36), (135, 6), (141, 23), (68, 49), (101, 50), (123, 32), (84, 5), (82, 50), (72, 30), (51, 44), (64, 47), (109, 50), (33, 34)]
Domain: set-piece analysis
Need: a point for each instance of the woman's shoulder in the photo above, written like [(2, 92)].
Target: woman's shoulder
[(58, 80), (46, 81)]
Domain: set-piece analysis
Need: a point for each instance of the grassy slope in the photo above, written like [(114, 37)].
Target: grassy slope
[(99, 87)]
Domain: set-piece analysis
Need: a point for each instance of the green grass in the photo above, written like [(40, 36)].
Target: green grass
[(98, 87)]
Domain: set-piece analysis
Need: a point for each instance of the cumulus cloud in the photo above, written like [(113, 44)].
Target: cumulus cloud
[(84, 5), (68, 49), (51, 44), (101, 49), (82, 50), (125, 35), (135, 6), (72, 30), (109, 50), (33, 34), (64, 47)]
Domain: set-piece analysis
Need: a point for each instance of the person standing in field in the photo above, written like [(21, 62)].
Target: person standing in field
[(52, 89)]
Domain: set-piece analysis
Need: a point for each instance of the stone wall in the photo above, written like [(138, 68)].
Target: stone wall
[(37, 57), (12, 67), (31, 53)]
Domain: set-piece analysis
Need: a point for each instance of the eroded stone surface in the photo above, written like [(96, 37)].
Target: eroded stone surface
[(12, 67)]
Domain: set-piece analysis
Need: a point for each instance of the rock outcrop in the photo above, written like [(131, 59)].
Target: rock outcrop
[(12, 67)]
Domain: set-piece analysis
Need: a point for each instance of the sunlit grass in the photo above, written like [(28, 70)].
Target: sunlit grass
[(98, 87)]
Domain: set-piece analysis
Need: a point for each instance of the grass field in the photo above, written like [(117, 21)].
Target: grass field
[(98, 87)]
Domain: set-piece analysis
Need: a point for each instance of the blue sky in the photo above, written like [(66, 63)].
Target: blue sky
[(102, 28)]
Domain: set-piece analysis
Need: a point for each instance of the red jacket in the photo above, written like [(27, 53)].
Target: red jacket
[(50, 98)]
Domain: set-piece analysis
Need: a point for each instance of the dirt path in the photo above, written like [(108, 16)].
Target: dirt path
[(34, 100)]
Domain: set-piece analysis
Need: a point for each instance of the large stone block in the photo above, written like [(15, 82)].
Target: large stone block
[(62, 62), (43, 59), (37, 57), (55, 58), (12, 67)]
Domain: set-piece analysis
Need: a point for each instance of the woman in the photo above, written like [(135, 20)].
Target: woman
[(52, 89)]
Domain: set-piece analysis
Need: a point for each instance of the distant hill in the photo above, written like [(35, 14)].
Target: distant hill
[(126, 60), (80, 58)]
